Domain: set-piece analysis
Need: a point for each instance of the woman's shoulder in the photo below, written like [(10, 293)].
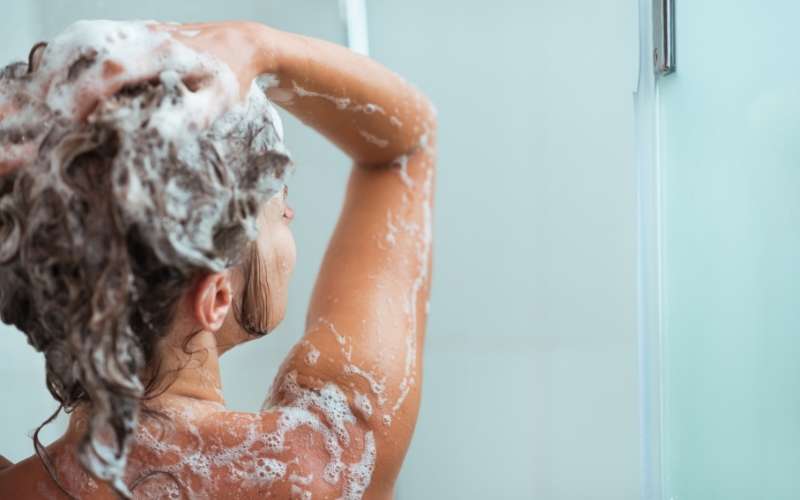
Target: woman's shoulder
[(286, 453), (30, 478), (16, 479)]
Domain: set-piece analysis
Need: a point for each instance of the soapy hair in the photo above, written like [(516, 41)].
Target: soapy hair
[(109, 224)]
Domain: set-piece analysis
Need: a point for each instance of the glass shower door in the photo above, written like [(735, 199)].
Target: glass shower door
[(723, 420)]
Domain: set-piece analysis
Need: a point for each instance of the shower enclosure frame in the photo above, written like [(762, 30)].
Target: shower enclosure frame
[(657, 59)]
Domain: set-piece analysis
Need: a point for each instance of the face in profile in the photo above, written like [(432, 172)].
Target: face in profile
[(261, 284), (277, 249)]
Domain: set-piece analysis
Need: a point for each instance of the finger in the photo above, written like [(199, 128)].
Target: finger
[(166, 27), (13, 156), (108, 77), (162, 25), (35, 56)]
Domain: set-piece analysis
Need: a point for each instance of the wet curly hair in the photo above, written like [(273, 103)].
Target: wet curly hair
[(106, 228)]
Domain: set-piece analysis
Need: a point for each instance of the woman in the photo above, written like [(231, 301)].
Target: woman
[(137, 311)]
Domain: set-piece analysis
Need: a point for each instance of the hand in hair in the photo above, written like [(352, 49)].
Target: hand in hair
[(244, 46), (237, 44)]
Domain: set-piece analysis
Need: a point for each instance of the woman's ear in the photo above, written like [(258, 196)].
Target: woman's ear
[(213, 299)]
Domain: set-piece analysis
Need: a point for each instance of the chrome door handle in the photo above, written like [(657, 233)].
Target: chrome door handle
[(664, 36)]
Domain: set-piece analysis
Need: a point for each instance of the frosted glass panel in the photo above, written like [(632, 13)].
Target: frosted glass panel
[(730, 165)]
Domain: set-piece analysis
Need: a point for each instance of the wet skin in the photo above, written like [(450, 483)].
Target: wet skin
[(364, 336)]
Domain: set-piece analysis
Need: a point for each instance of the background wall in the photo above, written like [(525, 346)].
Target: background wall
[(531, 363), (729, 156)]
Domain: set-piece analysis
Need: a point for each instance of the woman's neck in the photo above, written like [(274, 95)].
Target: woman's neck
[(189, 374), (191, 370)]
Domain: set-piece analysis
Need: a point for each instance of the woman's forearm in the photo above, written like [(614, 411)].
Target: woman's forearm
[(369, 111)]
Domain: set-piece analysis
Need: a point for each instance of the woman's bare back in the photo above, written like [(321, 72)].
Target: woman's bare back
[(201, 450)]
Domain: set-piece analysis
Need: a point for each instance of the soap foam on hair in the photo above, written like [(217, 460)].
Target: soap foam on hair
[(189, 168)]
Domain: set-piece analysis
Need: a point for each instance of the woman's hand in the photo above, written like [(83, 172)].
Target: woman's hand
[(237, 44), (243, 46), (192, 50)]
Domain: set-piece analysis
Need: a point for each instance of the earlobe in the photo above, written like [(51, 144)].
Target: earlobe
[(213, 300)]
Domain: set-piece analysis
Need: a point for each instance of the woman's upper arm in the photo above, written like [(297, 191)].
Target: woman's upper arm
[(366, 321)]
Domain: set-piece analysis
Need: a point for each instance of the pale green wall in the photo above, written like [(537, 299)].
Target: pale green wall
[(531, 358), (730, 120), (531, 367)]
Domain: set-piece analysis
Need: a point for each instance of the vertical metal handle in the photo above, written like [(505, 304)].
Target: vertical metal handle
[(664, 33)]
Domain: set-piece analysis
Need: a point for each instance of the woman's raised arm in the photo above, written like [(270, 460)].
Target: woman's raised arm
[(366, 321), (370, 112)]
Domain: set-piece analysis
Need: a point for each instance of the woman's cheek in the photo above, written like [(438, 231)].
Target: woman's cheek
[(294, 248), (284, 251), (291, 252)]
